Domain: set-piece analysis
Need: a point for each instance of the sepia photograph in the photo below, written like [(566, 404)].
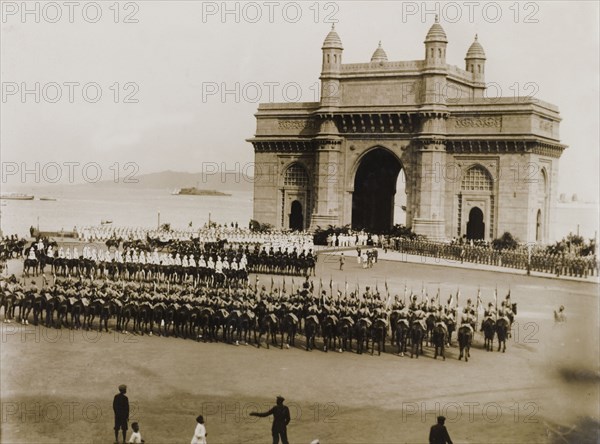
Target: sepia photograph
[(305, 222)]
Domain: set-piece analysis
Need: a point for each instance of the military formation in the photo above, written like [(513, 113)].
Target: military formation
[(219, 263), (251, 314), (540, 261)]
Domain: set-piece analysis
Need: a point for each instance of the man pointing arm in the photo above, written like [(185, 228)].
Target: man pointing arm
[(281, 418)]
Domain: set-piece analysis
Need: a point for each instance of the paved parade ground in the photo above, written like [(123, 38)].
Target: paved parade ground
[(57, 386)]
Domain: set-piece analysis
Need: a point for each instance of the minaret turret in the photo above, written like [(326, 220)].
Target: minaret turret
[(475, 61), (435, 45), (330, 72)]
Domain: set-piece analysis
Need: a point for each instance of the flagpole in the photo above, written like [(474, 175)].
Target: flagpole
[(496, 299), (477, 306)]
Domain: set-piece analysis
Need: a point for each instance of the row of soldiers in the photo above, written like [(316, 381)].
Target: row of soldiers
[(182, 260), (233, 233), (176, 308), (570, 264)]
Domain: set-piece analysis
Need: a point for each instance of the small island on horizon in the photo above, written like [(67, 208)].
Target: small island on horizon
[(193, 191)]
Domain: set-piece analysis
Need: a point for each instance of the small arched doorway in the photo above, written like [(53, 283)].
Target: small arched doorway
[(296, 216), (475, 226)]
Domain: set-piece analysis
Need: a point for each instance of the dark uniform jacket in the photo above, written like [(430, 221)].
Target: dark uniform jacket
[(281, 417), (439, 435), (121, 406)]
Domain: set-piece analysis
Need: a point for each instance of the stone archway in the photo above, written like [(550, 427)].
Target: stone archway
[(374, 191), (475, 225), (296, 216)]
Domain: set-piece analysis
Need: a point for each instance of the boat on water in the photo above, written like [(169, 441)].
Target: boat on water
[(105, 222), (51, 199), (16, 196), (193, 191)]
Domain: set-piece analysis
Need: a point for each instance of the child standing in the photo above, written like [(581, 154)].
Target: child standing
[(200, 432), (136, 436)]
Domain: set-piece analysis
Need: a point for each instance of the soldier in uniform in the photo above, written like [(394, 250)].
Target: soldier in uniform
[(469, 308)]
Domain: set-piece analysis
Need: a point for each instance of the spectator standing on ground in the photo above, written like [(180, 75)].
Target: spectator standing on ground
[(342, 260), (281, 419), (121, 409), (200, 432), (438, 433)]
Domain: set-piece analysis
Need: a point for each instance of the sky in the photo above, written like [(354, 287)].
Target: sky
[(180, 81)]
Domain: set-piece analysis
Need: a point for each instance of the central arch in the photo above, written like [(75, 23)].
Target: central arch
[(374, 191), (475, 226)]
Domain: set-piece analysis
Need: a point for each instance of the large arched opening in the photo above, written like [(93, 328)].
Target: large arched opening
[(374, 191)]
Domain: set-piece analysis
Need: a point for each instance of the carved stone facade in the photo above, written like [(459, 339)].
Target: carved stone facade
[(474, 167)]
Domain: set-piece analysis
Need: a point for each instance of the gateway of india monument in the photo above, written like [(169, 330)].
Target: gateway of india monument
[(475, 166)]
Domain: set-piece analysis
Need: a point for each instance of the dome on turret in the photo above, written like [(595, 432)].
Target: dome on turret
[(332, 40), (379, 55), (475, 51), (436, 33)]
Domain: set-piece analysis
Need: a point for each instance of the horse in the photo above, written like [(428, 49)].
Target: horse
[(489, 330), (218, 321), (62, 307), (502, 329), (182, 324), (157, 313), (128, 312), (329, 332), (430, 324), (402, 333), (144, 318), (105, 310), (311, 326), (39, 305), (30, 264), (439, 340), (169, 317), (8, 303), (25, 303), (451, 324), (50, 306), (289, 325), (231, 326), (378, 333), (269, 325), (465, 338), (362, 335), (345, 331), (91, 309), (245, 324), (417, 334), (395, 316), (77, 309), (204, 323)]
